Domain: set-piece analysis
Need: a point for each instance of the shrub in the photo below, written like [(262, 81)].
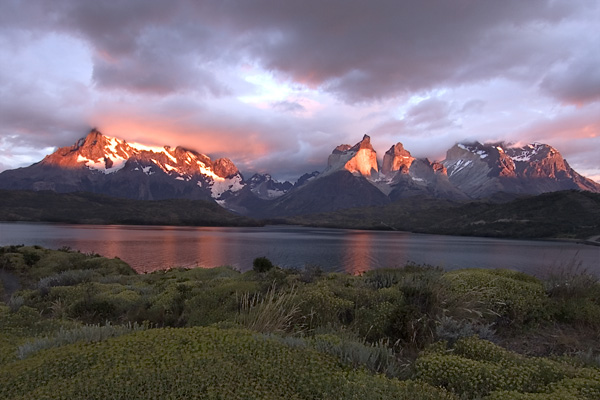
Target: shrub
[(262, 264), (197, 363), (93, 311), (86, 333), (320, 306), (510, 298), (65, 278), (451, 330), (378, 357), (476, 368)]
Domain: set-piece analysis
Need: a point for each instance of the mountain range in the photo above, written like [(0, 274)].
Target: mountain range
[(353, 177)]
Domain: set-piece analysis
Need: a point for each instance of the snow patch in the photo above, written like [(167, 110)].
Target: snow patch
[(148, 170), (100, 164), (459, 166), (273, 194), (221, 186), (527, 153)]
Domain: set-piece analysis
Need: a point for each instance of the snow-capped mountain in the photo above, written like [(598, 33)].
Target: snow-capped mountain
[(267, 188), (353, 176), (108, 165), (480, 170)]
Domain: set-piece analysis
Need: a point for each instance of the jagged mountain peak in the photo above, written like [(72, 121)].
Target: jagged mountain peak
[(360, 159), (365, 143), (174, 172), (267, 188), (397, 158)]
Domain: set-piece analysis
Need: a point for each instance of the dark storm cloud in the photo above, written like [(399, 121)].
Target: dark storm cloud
[(359, 50), (368, 50), (578, 82), (178, 71)]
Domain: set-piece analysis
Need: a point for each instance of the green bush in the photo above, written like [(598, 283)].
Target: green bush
[(476, 368), (509, 298), (262, 264)]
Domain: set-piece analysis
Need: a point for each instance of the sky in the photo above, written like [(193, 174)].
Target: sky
[(276, 85)]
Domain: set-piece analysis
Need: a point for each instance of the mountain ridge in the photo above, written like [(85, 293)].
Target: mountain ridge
[(353, 177)]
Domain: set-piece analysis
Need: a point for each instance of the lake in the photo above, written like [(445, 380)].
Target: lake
[(150, 248)]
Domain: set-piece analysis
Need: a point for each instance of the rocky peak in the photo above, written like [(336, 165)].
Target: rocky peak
[(492, 155), (539, 161), (267, 188), (225, 168), (305, 178), (95, 149), (397, 159), (360, 159), (341, 149)]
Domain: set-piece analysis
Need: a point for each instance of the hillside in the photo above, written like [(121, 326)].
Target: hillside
[(566, 214), (88, 208)]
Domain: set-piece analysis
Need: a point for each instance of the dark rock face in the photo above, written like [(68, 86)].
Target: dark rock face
[(306, 178), (335, 191)]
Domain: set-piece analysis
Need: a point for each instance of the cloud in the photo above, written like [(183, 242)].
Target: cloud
[(577, 82), (288, 106), (276, 85)]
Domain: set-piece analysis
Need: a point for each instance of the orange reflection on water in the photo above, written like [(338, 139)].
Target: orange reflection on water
[(357, 257), (211, 251)]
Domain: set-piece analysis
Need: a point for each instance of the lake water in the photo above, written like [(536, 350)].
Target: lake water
[(150, 248)]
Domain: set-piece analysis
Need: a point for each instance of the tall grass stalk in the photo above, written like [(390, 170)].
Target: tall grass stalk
[(273, 312)]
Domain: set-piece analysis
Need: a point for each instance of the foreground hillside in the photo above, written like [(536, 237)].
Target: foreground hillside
[(88, 208), (81, 326), (566, 214)]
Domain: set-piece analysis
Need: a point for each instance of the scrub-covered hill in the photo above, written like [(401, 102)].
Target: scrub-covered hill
[(80, 326)]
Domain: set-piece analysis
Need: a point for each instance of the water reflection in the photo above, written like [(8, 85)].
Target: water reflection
[(357, 249), (151, 248)]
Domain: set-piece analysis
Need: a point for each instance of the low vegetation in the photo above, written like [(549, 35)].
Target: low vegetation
[(82, 326)]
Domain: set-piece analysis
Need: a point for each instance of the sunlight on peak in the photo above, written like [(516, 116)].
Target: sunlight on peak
[(155, 149)]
